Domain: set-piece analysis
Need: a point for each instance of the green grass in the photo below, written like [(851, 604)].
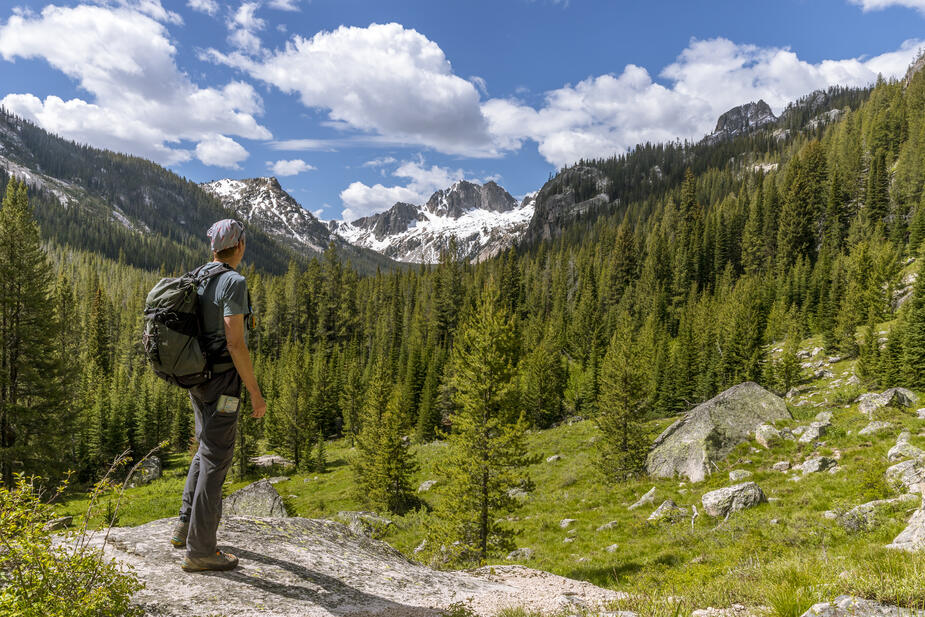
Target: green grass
[(783, 555)]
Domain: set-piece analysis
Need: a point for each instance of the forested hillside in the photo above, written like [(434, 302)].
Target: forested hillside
[(707, 258)]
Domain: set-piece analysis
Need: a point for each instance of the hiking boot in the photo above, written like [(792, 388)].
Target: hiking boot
[(219, 561), (179, 535)]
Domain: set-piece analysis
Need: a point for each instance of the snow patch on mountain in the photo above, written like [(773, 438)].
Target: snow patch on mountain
[(483, 220), (262, 201)]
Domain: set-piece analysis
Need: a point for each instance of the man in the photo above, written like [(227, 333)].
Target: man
[(224, 305)]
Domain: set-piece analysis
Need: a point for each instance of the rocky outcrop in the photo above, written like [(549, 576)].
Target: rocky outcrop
[(849, 606), (907, 475), (693, 445), (895, 397), (365, 523), (863, 517), (725, 501), (644, 500), (741, 120), (298, 567), (147, 472), (395, 220), (257, 499), (574, 192), (668, 511), (912, 538)]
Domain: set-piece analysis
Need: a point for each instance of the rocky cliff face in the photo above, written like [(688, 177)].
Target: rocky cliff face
[(741, 120), (263, 202), (562, 200), (483, 220), (296, 567)]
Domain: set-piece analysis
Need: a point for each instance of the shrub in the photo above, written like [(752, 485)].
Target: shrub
[(41, 576)]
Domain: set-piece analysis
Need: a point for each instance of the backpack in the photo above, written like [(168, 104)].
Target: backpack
[(173, 325)]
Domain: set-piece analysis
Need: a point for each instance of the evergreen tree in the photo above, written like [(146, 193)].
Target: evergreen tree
[(486, 456), (34, 422), (622, 405)]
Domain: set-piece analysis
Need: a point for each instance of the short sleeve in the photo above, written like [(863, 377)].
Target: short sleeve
[(234, 296)]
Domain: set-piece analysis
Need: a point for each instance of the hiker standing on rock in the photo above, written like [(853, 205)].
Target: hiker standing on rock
[(225, 307)]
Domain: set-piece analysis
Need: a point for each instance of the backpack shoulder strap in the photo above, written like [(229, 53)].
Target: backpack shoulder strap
[(203, 274)]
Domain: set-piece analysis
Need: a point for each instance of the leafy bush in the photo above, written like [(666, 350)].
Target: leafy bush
[(46, 576)]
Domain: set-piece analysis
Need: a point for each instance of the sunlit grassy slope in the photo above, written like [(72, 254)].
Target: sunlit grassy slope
[(783, 554)]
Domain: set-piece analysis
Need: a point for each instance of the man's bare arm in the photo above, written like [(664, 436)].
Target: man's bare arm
[(234, 334)]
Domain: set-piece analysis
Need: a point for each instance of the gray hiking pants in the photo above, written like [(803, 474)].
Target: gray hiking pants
[(202, 497)]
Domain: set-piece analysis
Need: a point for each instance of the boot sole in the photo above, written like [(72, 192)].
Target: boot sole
[(188, 567)]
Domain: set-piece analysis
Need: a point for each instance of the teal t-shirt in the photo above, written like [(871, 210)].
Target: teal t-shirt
[(222, 296)]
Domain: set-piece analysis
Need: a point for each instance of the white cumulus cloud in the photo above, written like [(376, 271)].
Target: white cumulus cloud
[(221, 151), (140, 101), (289, 168), (209, 7), (876, 5), (607, 114), (361, 200), (284, 5), (384, 79), (243, 27)]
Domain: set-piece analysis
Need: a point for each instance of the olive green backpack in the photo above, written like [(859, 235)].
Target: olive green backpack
[(173, 326)]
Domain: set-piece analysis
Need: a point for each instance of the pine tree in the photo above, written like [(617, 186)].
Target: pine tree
[(914, 344), (486, 455), (624, 395), (34, 423)]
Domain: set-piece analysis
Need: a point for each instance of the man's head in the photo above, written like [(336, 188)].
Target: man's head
[(227, 241)]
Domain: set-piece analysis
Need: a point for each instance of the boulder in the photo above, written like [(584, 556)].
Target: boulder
[(520, 554), (566, 522), (912, 538), (668, 511), (554, 458), (767, 435), (426, 486), (813, 432), (693, 445), (739, 474), (875, 427), (818, 464), (610, 525), (365, 523), (824, 417), (297, 567), (612, 548), (147, 472), (725, 501), (863, 517), (903, 449), (895, 397), (849, 606), (57, 524), (781, 466), (907, 475), (920, 413), (257, 499), (268, 460), (644, 500)]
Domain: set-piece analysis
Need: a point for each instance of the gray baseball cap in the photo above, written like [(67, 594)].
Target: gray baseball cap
[(225, 234)]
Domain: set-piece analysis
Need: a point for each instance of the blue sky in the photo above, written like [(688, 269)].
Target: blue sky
[(354, 105)]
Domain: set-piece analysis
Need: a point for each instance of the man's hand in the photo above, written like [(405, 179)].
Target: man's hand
[(260, 406)]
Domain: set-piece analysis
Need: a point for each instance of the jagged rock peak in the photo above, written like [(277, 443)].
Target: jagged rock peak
[(915, 67), (465, 195), (742, 119), (395, 220)]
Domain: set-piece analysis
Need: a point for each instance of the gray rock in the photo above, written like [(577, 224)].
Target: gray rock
[(725, 501), (554, 458), (817, 464), (920, 413), (912, 538), (426, 486), (566, 522), (739, 474), (875, 427), (57, 524), (257, 499), (896, 397), (278, 479), (767, 435), (904, 449), (147, 472), (863, 517), (517, 493), (612, 548), (706, 434), (296, 567), (854, 380), (824, 417), (365, 523), (645, 500), (668, 511), (823, 373), (830, 515), (781, 466), (520, 554), (813, 432), (268, 460), (849, 606), (907, 475), (610, 525)]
